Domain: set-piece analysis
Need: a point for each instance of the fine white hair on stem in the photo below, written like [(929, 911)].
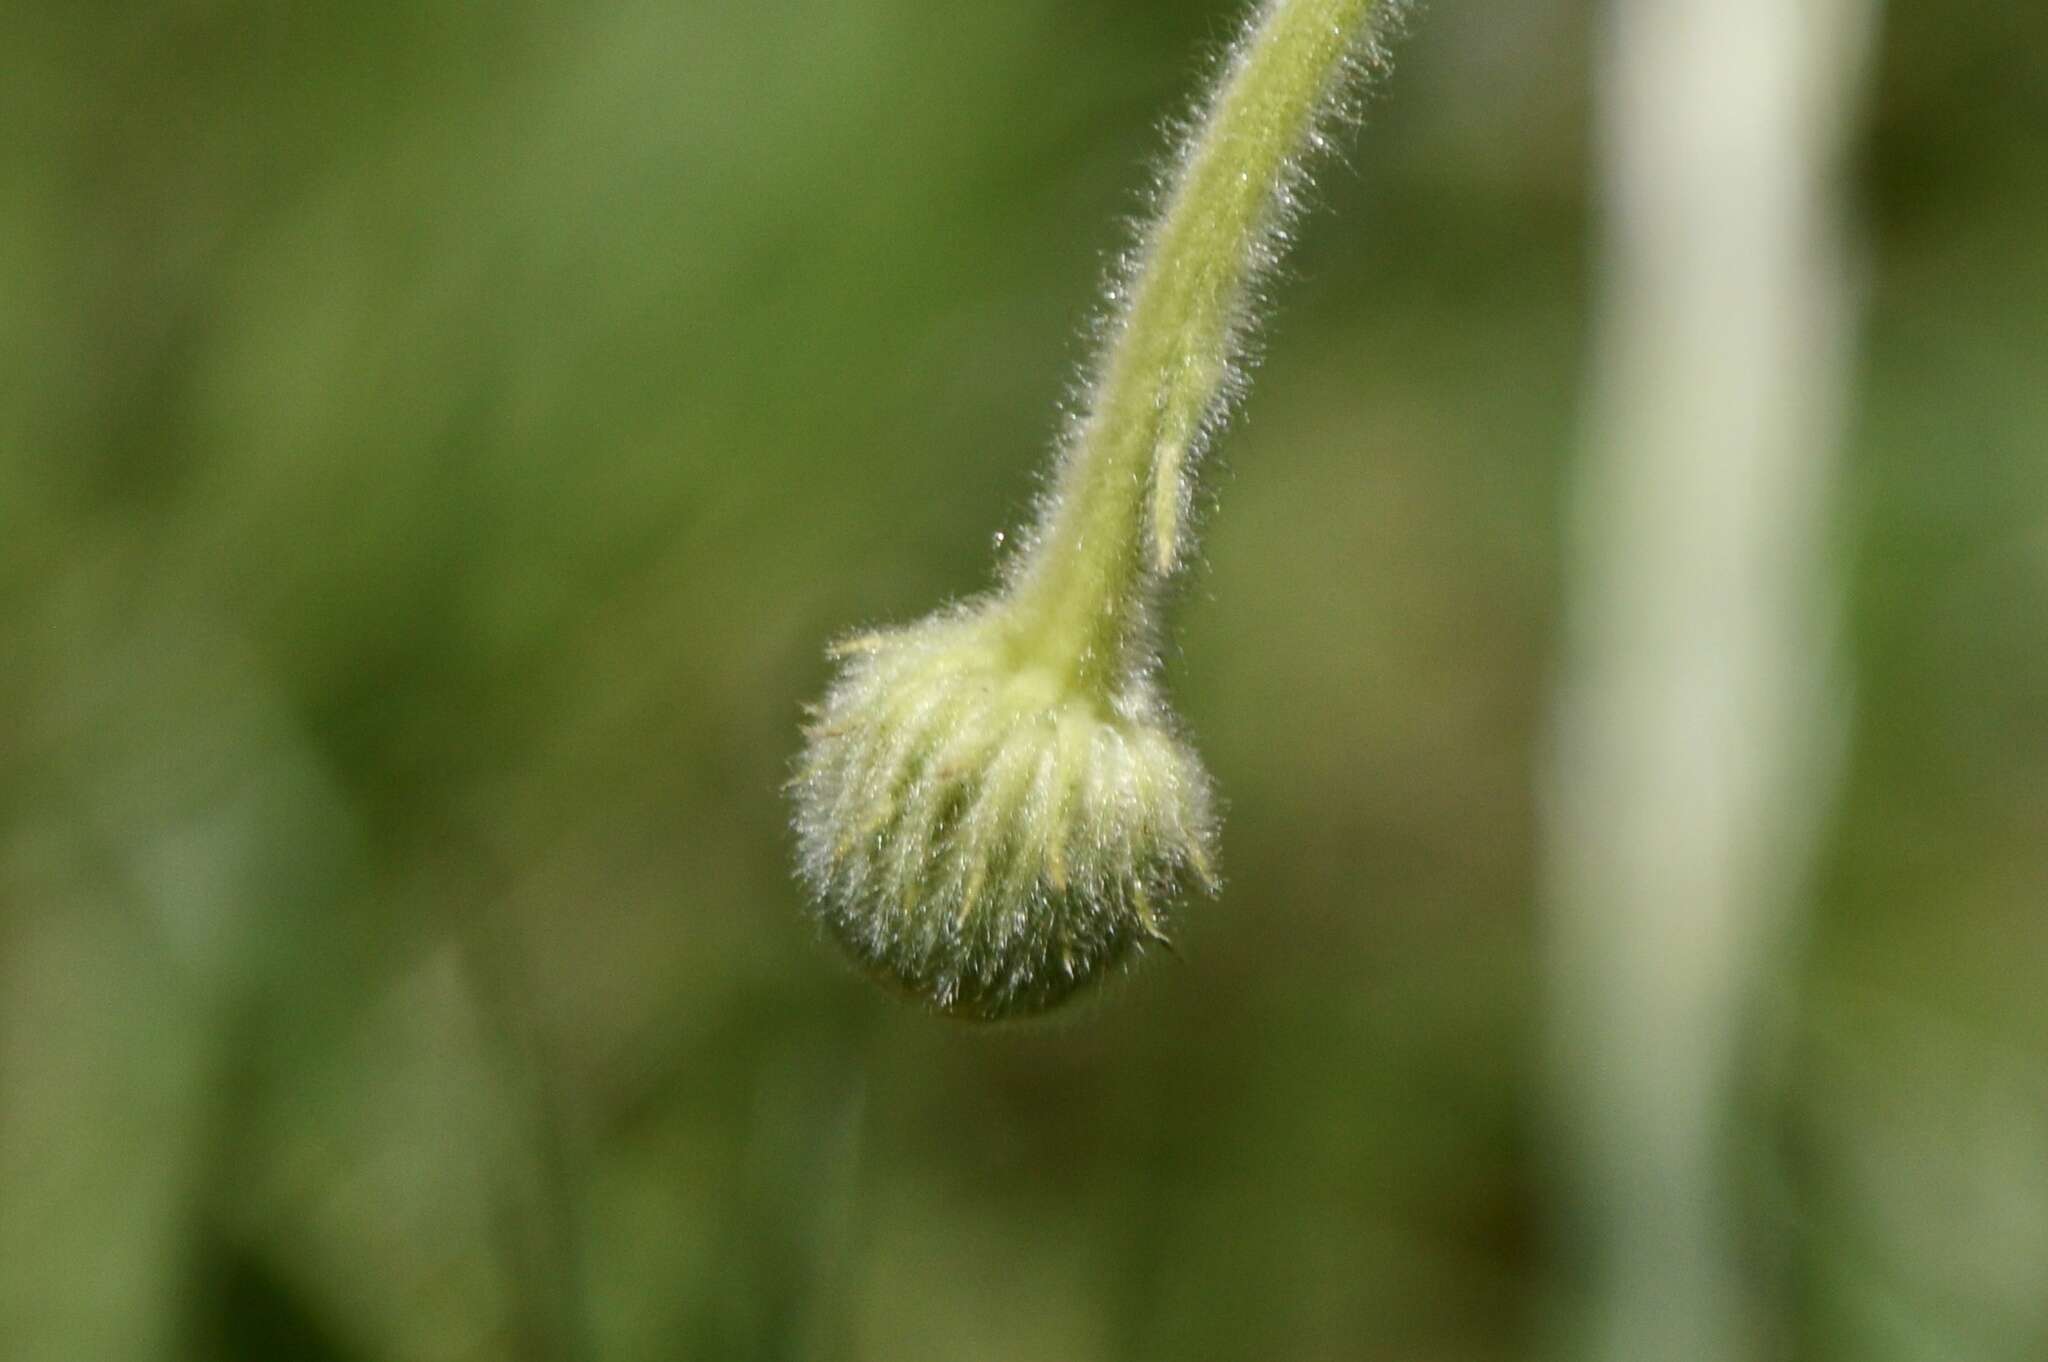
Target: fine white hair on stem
[(1339, 102), (995, 805)]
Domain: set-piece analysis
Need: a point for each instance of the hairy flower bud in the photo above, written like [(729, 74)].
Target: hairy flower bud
[(984, 833), (994, 807)]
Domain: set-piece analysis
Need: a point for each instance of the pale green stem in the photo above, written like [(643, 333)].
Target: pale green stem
[(1094, 567)]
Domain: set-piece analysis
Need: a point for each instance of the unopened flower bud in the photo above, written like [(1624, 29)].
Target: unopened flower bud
[(984, 833), (994, 806)]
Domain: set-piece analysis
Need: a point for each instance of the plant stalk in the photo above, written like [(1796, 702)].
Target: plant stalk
[(1113, 530)]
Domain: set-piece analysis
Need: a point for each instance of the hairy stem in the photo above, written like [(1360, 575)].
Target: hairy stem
[(1113, 530)]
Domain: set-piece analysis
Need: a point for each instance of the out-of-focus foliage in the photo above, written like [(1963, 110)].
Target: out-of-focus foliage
[(435, 442)]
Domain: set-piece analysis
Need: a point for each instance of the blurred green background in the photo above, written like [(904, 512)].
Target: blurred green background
[(436, 440)]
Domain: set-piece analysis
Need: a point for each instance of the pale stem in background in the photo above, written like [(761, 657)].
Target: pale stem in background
[(1697, 719)]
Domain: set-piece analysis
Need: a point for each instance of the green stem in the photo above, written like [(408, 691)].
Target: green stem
[(1082, 596)]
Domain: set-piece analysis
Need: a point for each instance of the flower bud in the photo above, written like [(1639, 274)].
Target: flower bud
[(983, 832), (994, 807)]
